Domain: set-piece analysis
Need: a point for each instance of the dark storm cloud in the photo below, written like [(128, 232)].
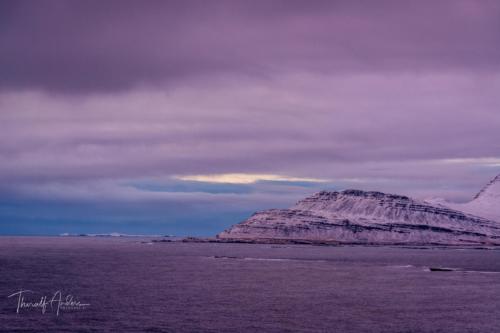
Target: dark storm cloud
[(108, 107), (83, 46), (299, 125)]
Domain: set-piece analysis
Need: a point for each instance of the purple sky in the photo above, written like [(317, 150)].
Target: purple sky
[(107, 104)]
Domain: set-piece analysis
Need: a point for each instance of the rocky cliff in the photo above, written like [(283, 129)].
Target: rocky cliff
[(354, 216)]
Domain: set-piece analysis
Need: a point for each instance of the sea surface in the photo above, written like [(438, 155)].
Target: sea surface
[(132, 285)]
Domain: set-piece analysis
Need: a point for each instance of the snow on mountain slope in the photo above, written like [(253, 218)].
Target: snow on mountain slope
[(354, 216), (486, 203)]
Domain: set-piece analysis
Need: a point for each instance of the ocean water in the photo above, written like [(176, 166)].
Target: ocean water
[(131, 285)]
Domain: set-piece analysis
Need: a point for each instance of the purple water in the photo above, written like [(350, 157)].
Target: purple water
[(132, 286)]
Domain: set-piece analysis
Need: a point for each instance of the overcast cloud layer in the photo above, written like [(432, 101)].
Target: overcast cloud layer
[(115, 115)]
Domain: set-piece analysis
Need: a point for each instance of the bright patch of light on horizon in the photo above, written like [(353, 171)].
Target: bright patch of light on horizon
[(489, 161), (245, 178)]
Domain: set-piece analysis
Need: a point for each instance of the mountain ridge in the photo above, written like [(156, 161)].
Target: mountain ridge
[(486, 202), (367, 217), (495, 181)]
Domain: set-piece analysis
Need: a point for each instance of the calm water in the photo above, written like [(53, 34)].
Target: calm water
[(174, 287)]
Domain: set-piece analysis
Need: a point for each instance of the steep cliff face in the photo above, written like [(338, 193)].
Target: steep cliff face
[(354, 216), (486, 203)]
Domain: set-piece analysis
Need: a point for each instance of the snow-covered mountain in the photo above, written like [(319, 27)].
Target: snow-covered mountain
[(486, 203), (354, 216)]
